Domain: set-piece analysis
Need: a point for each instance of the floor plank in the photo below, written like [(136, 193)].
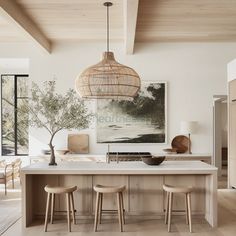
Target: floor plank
[(227, 224)]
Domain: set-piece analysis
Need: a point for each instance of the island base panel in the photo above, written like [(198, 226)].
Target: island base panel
[(144, 195)]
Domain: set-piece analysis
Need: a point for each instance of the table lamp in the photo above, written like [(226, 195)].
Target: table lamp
[(188, 127)]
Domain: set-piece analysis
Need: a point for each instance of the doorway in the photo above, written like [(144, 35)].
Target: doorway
[(220, 141)]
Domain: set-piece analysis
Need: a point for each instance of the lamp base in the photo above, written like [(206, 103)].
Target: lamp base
[(189, 144)]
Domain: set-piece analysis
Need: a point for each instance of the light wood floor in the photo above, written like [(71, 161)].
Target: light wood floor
[(227, 224)]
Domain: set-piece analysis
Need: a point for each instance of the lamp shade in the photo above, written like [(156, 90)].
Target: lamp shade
[(108, 80), (188, 127)]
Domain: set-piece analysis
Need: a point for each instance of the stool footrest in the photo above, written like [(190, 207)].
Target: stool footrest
[(176, 210), (65, 211), (111, 210)]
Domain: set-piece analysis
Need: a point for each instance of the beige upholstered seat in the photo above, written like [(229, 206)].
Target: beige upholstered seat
[(51, 190), (118, 190), (170, 190), (179, 189), (59, 190), (108, 189)]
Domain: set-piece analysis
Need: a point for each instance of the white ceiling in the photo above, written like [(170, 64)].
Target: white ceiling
[(51, 21)]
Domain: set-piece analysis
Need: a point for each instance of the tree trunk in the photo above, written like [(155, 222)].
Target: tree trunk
[(52, 158)]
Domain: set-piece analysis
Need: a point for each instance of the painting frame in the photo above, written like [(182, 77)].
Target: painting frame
[(165, 120)]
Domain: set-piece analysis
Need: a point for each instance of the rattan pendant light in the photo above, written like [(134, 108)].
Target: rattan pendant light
[(108, 79)]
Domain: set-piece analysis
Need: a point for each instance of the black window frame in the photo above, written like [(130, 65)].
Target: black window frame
[(15, 113)]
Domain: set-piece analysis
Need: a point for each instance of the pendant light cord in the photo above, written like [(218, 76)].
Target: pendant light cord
[(107, 28)]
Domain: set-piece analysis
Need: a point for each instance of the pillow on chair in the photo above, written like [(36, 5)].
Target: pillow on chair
[(2, 164)]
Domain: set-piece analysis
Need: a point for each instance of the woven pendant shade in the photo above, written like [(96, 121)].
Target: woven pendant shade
[(108, 80)]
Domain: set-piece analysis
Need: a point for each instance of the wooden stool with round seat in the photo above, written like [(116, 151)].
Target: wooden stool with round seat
[(170, 190), (118, 190), (70, 203)]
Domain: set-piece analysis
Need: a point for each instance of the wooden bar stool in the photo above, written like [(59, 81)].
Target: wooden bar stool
[(70, 203), (100, 189), (170, 190)]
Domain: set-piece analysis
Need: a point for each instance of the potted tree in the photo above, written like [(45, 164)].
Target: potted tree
[(55, 112)]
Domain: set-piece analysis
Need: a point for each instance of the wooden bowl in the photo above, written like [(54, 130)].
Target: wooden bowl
[(153, 160), (46, 152), (180, 143)]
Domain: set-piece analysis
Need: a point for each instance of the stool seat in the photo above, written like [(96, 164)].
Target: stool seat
[(177, 189), (59, 190), (108, 189)]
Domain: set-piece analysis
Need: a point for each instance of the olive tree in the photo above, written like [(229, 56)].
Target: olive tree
[(55, 112)]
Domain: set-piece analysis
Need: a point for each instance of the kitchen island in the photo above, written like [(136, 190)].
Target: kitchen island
[(144, 196)]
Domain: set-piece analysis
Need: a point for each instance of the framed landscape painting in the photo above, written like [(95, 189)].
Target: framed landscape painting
[(143, 120)]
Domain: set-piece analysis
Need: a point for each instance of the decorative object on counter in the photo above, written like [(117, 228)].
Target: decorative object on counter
[(188, 127), (142, 120), (62, 152), (126, 156), (46, 151), (180, 143), (154, 160), (170, 150), (55, 112), (108, 79), (78, 143)]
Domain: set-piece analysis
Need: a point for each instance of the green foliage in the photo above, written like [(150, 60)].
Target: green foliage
[(54, 112)]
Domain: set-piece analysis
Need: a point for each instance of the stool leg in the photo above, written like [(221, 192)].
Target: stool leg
[(68, 211), (46, 214), (186, 205), (52, 206), (73, 208), (189, 212), (96, 212), (13, 186), (100, 208), (122, 207), (170, 211), (119, 212), (167, 207)]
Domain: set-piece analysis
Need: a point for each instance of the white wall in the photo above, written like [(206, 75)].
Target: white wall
[(217, 160), (194, 72), (231, 70)]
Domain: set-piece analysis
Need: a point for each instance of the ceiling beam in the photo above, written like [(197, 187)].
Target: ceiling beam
[(130, 22), (16, 14)]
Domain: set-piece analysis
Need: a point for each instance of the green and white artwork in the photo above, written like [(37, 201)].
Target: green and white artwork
[(142, 120)]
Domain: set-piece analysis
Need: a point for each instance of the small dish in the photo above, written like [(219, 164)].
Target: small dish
[(62, 152), (154, 160), (170, 150)]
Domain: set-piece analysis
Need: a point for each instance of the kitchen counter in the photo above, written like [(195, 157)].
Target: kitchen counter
[(124, 168), (144, 196)]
